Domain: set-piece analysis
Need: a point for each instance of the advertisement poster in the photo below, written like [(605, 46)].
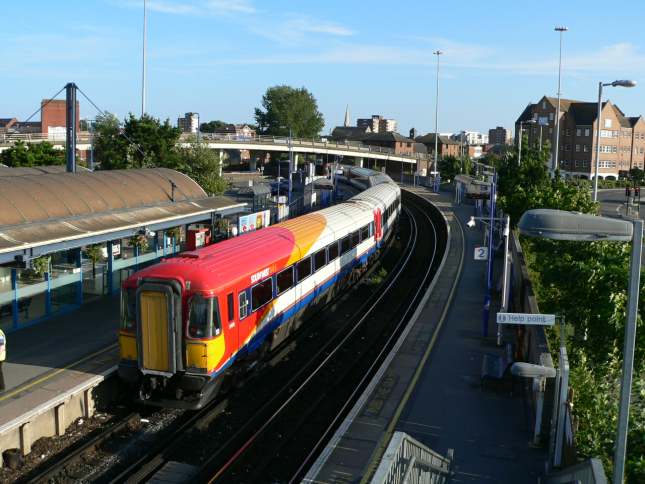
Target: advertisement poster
[(254, 221)]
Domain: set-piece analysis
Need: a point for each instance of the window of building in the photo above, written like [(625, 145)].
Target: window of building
[(333, 251), (605, 134), (567, 132), (550, 130), (607, 123), (567, 147), (587, 130), (578, 148), (320, 259), (585, 148), (551, 116), (304, 268), (284, 280), (543, 104), (641, 150), (261, 294), (578, 132)]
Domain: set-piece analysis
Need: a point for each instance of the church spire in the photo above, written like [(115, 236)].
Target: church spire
[(347, 121)]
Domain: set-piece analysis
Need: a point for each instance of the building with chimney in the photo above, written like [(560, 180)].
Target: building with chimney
[(622, 138)]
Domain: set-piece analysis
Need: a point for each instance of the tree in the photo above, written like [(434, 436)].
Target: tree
[(285, 107), (32, 154), (211, 126), (141, 142), (110, 147), (203, 165), (450, 166)]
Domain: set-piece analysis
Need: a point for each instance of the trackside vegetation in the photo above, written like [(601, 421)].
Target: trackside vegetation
[(587, 284)]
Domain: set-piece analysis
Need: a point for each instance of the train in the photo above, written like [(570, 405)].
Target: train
[(190, 322), (473, 188)]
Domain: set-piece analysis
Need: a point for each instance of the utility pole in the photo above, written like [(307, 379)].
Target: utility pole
[(436, 117), (557, 114)]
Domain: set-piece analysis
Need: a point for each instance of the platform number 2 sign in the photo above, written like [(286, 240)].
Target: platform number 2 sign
[(481, 253)]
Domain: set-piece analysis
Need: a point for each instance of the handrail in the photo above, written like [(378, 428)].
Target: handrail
[(406, 460), (322, 142)]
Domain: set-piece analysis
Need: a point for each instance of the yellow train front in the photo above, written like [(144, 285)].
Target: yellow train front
[(170, 341)]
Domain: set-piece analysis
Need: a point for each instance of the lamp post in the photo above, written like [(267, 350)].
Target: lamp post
[(436, 120), (519, 148), (619, 83), (143, 64), (561, 30), (290, 167), (561, 225)]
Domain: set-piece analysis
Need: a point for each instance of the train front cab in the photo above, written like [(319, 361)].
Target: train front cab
[(169, 343)]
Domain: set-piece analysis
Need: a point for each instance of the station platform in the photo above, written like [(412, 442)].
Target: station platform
[(52, 369), (429, 388)]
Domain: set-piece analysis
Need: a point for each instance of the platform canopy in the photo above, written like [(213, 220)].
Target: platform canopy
[(53, 211)]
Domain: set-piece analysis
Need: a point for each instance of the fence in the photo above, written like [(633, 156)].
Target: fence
[(408, 461)]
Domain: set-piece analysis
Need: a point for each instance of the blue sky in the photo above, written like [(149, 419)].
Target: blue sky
[(217, 57)]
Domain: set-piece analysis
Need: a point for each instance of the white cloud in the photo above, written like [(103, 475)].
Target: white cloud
[(231, 6), (194, 7)]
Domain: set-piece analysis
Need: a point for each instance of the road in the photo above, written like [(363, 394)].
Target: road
[(612, 202)]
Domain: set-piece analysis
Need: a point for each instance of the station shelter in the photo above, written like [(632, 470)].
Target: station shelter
[(66, 238)]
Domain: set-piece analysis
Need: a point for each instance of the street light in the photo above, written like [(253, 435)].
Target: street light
[(561, 225), (519, 148), (143, 61), (436, 120), (619, 83), (554, 166)]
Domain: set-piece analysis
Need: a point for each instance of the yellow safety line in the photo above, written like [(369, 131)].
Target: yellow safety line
[(29, 385), (408, 392)]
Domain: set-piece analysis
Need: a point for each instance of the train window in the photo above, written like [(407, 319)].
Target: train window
[(365, 233), (284, 280), (304, 268), (320, 259), (355, 239), (244, 305), (345, 245), (203, 317), (230, 304), (128, 309), (371, 229), (261, 294), (333, 251)]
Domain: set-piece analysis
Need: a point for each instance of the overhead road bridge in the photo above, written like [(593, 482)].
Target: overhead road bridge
[(320, 146), (48, 219)]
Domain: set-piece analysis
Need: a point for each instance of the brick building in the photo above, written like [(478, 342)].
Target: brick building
[(399, 143), (377, 124), (622, 139), (445, 145), (499, 136), (53, 117)]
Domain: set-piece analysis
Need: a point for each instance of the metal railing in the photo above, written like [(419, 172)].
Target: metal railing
[(590, 471), (324, 143), (408, 461)]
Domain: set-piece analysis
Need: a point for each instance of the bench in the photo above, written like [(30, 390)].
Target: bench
[(497, 368)]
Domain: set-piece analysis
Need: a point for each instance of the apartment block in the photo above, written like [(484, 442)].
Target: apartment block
[(622, 138), (377, 124), (189, 123), (499, 136)]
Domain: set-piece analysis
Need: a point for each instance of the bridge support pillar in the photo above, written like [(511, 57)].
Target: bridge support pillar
[(359, 162), (221, 161)]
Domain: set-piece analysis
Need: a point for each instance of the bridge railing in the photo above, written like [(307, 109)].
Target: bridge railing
[(312, 142), (86, 137)]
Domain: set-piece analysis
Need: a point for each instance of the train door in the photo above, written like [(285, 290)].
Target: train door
[(245, 326), (378, 227), (231, 324)]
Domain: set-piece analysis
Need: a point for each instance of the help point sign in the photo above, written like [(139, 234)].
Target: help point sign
[(525, 318)]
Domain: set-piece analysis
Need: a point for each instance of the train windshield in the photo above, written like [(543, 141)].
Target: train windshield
[(204, 317), (128, 308)]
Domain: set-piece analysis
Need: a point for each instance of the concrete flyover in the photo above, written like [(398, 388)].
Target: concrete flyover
[(319, 146)]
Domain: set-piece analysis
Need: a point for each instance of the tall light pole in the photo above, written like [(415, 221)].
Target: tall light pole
[(619, 83), (436, 117), (560, 225), (143, 65), (554, 167)]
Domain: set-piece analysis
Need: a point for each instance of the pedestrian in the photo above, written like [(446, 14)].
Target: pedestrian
[(3, 354)]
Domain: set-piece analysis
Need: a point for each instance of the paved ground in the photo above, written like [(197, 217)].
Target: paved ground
[(489, 430), (56, 343)]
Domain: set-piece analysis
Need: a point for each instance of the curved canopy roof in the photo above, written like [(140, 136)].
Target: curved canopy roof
[(69, 208), (37, 198)]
